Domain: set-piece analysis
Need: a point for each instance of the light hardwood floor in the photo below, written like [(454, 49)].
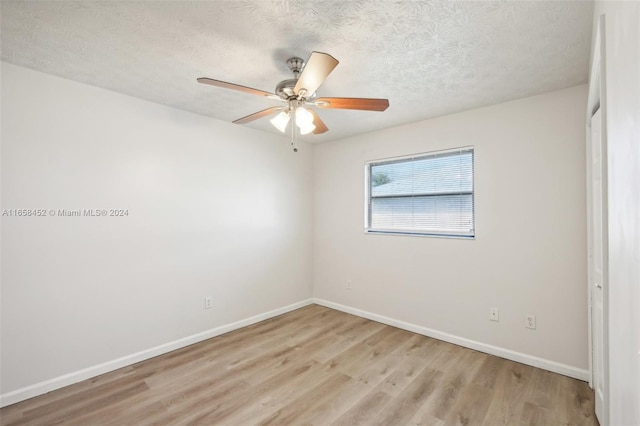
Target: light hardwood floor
[(317, 366)]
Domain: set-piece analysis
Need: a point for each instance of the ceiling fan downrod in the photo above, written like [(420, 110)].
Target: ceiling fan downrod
[(295, 64)]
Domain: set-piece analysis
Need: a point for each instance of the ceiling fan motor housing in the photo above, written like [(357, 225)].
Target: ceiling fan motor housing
[(285, 89)]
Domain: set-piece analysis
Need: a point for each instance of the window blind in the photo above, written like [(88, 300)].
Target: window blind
[(428, 194)]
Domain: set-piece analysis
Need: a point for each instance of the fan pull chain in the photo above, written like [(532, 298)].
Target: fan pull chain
[(294, 135)]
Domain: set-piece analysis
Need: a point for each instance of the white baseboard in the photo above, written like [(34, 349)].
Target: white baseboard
[(556, 367), (96, 370)]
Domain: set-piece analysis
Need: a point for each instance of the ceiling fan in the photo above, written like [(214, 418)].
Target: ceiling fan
[(299, 97)]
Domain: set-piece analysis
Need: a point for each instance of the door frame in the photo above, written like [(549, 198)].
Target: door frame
[(597, 100)]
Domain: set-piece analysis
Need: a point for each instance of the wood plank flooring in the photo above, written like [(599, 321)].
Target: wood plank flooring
[(317, 366)]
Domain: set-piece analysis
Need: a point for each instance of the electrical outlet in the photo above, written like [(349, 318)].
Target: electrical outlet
[(349, 285), (530, 321), (494, 314), (208, 302)]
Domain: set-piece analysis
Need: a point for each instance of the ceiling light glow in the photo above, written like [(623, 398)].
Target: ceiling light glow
[(303, 117), (280, 121)]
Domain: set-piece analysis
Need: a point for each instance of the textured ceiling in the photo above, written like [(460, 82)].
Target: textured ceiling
[(428, 58)]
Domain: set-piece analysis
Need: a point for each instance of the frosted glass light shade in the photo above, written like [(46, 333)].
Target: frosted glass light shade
[(303, 118), (308, 128), (280, 121)]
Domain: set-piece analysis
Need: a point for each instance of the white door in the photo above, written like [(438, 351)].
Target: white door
[(598, 265)]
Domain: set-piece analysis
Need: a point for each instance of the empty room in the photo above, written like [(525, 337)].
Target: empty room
[(304, 212)]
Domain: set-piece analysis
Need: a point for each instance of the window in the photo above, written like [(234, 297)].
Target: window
[(426, 194)]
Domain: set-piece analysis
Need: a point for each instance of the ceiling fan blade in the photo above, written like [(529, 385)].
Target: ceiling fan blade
[(318, 67), (317, 121), (224, 84), (353, 103), (257, 115)]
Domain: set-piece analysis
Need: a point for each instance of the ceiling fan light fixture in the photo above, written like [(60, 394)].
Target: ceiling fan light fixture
[(303, 117), (307, 129), (280, 121)]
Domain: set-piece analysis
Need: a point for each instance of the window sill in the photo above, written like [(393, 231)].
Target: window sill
[(417, 234)]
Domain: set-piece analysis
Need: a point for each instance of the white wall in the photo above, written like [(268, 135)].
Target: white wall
[(214, 209), (529, 255), (622, 64)]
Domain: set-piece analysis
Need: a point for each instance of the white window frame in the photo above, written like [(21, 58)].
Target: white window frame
[(419, 233)]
